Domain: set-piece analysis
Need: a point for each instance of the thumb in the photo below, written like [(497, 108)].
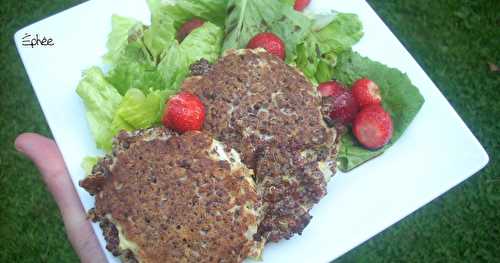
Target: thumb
[(46, 156)]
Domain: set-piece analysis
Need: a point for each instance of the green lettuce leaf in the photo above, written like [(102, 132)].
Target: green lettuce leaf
[(399, 96), (174, 66), (204, 42), (320, 19), (333, 33), (308, 58), (135, 70), (119, 124), (324, 70), (180, 11), (138, 110), (101, 101), (88, 164), (247, 18), (341, 34), (160, 34), (288, 2), (123, 29)]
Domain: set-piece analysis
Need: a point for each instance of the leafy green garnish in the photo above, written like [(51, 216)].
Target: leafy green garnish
[(288, 2), (136, 70), (101, 100), (317, 55), (399, 96), (174, 65), (88, 164), (168, 16), (340, 35), (180, 11), (122, 28), (247, 18), (204, 42), (325, 68), (160, 35), (138, 110), (147, 66)]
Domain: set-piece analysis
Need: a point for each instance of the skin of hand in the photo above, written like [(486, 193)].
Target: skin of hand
[(46, 156)]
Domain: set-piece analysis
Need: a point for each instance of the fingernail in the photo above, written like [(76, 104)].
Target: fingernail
[(19, 147)]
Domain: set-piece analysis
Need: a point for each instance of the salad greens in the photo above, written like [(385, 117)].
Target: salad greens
[(138, 110), (88, 163), (122, 28), (341, 34), (160, 34), (317, 55), (399, 97), (101, 100), (312, 40), (204, 42), (180, 11), (134, 69), (167, 17), (330, 33), (247, 18), (147, 64)]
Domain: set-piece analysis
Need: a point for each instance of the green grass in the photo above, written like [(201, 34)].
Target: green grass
[(30, 225), (453, 40)]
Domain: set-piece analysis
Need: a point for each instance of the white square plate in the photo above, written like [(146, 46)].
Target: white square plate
[(436, 153)]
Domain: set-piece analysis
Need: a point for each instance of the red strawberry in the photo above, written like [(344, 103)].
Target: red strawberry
[(188, 27), (184, 112), (331, 88), (270, 42), (366, 92), (373, 127), (344, 107), (300, 5)]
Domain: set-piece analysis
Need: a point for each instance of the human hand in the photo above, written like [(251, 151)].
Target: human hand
[(46, 156)]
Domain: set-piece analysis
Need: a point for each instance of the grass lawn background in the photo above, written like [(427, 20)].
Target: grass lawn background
[(453, 40)]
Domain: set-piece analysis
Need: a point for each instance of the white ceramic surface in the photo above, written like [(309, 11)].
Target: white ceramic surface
[(436, 153)]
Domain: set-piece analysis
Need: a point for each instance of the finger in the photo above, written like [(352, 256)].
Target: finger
[(46, 156)]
